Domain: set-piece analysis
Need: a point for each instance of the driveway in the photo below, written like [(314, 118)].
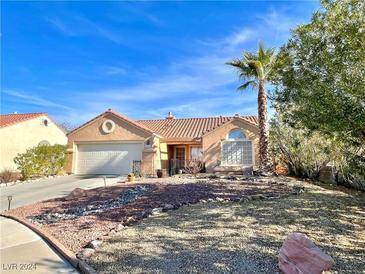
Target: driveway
[(21, 250), (29, 193), (19, 246)]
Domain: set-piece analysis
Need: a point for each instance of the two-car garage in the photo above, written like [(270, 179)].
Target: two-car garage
[(108, 145), (107, 158)]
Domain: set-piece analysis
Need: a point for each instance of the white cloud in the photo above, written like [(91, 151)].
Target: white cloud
[(82, 26), (232, 41), (61, 26), (32, 99), (114, 70)]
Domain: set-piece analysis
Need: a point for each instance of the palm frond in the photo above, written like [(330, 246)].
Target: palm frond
[(246, 85)]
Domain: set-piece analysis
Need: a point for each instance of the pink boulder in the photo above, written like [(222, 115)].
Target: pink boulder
[(299, 255)]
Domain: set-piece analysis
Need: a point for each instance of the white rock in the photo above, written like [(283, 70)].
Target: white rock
[(94, 244), (156, 210), (168, 206)]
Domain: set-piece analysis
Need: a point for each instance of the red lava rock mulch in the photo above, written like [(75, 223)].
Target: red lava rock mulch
[(76, 233)]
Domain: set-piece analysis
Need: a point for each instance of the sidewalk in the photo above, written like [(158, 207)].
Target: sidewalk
[(21, 250)]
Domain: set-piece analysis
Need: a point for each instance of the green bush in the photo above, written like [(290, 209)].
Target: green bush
[(305, 153), (41, 161)]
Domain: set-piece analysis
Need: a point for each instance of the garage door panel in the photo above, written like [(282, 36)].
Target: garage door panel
[(107, 158)]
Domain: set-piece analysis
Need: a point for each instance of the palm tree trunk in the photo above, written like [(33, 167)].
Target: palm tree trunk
[(264, 133)]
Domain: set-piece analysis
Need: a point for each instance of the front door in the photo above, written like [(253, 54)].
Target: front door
[(180, 157)]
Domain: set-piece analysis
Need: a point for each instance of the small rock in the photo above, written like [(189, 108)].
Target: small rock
[(203, 201), (85, 253), (258, 197), (157, 210), (220, 199), (119, 227), (210, 200), (235, 199), (94, 244), (130, 220), (168, 207)]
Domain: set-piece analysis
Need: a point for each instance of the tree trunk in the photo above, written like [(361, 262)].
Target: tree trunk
[(265, 163)]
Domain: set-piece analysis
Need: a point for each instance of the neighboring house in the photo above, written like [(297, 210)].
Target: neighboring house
[(18, 132), (109, 143)]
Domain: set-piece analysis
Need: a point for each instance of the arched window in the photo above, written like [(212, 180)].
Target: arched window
[(44, 143), (237, 150), (236, 134)]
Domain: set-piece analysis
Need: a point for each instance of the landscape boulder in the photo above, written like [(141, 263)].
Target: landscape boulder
[(76, 193), (299, 255)]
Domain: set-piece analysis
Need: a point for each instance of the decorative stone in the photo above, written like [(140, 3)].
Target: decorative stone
[(235, 199), (76, 193), (258, 197), (119, 227), (130, 220), (94, 244), (298, 190), (85, 253), (157, 210), (299, 255), (168, 206)]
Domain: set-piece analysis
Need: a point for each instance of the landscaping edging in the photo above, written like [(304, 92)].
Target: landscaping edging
[(82, 266)]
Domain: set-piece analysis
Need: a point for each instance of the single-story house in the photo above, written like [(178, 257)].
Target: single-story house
[(18, 132), (112, 143)]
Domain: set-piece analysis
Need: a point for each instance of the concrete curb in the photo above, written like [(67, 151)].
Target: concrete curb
[(52, 241)]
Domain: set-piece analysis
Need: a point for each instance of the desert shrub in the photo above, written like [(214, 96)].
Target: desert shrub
[(306, 152), (41, 161), (193, 166), (8, 175)]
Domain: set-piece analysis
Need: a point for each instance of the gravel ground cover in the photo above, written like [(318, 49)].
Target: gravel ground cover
[(104, 213), (240, 237)]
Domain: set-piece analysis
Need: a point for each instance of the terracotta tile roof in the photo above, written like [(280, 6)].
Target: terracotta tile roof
[(190, 128), (10, 119)]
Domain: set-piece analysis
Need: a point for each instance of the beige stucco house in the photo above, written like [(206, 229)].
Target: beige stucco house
[(18, 132), (113, 144)]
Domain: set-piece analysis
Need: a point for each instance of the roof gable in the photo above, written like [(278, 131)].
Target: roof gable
[(116, 114)]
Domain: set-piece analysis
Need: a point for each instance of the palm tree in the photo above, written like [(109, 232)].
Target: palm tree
[(254, 70)]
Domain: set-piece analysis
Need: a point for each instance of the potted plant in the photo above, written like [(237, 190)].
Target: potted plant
[(131, 177), (159, 173)]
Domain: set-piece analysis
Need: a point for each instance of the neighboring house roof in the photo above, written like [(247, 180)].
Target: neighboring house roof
[(11, 119), (120, 116), (191, 128)]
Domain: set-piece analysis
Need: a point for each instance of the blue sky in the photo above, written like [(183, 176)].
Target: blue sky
[(74, 60)]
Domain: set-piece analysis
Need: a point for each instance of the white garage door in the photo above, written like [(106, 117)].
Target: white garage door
[(107, 158)]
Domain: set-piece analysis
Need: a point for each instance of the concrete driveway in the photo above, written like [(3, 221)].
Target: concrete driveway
[(21, 250), (29, 193), (19, 246)]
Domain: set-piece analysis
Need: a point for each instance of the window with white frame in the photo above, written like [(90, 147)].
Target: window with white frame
[(196, 153), (237, 149)]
